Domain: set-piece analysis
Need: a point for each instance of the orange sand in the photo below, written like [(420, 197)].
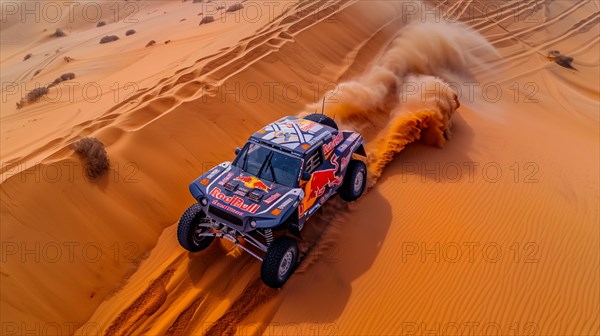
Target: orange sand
[(492, 230)]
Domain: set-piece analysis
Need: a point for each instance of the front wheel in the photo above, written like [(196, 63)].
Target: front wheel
[(355, 181), (190, 229), (279, 262)]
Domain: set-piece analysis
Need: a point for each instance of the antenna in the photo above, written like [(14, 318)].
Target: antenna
[(323, 107)]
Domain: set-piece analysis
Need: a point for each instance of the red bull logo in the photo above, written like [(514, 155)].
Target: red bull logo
[(318, 184), (252, 183), (234, 200)]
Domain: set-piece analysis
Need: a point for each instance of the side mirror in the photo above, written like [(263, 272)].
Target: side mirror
[(305, 176), (237, 150)]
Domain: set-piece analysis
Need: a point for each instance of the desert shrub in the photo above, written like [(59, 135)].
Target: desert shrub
[(207, 19), (130, 32), (28, 56), (108, 38), (36, 94), (32, 96), (67, 76), (59, 33), (101, 23), (235, 7), (64, 77), (68, 59), (92, 152), (151, 43)]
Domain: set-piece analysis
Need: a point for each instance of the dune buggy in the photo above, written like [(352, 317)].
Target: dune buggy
[(260, 201)]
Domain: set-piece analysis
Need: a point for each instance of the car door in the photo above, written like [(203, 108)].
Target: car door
[(325, 177)]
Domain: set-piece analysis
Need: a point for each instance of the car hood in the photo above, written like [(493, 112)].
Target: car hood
[(236, 193)]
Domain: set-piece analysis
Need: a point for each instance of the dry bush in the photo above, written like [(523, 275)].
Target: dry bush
[(36, 94), (235, 7), (101, 23), (130, 32), (207, 19), (64, 77), (28, 56), (67, 76), (151, 43), (108, 38), (32, 96), (68, 59), (59, 33), (560, 59), (92, 152)]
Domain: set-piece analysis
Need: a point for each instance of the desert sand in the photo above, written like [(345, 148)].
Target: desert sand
[(489, 229)]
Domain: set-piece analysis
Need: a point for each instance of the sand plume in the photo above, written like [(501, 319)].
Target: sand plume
[(399, 96)]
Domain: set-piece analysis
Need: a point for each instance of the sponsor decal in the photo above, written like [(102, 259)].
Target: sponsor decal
[(242, 192), (336, 140), (234, 201), (226, 207), (345, 161), (305, 125), (226, 179), (283, 134), (252, 183), (353, 136), (212, 173), (271, 198), (284, 204)]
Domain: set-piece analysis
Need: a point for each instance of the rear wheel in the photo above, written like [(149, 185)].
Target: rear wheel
[(190, 229), (355, 181), (279, 262), (322, 119)]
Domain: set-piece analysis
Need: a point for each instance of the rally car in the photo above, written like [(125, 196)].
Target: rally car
[(260, 201)]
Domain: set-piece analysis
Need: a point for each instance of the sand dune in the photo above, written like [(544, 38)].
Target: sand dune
[(481, 219)]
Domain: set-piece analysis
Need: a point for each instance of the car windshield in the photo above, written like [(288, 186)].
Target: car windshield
[(269, 164)]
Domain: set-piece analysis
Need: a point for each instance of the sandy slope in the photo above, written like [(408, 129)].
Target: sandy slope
[(496, 232)]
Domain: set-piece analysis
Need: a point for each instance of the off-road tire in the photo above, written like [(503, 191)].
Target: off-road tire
[(322, 119), (187, 227), (355, 181), (277, 266)]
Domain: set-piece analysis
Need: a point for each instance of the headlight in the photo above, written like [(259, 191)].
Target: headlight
[(203, 201), (253, 223)]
